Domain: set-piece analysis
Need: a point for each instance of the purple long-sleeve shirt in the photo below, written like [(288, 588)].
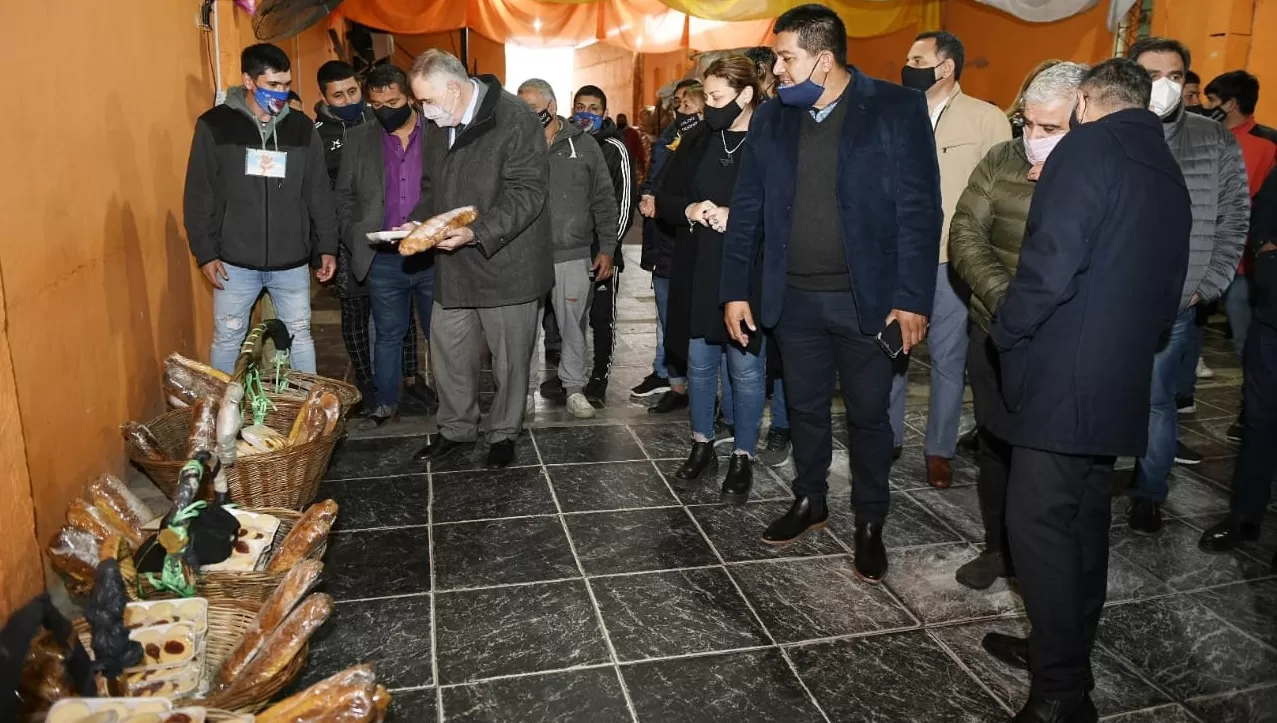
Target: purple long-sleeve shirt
[(403, 175)]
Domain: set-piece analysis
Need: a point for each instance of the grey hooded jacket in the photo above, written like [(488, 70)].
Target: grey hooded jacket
[(1211, 161), (581, 201)]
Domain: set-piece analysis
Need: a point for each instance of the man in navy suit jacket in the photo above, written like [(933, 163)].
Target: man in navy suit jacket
[(840, 187)]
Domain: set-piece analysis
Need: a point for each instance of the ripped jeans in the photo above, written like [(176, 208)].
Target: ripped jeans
[(233, 312)]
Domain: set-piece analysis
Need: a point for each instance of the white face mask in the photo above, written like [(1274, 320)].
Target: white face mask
[(439, 116), (1167, 95)]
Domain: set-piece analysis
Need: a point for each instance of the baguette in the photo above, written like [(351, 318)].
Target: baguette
[(319, 701), (428, 235), (292, 588), (286, 641), (306, 536), (318, 415), (381, 699), (143, 441), (203, 428)]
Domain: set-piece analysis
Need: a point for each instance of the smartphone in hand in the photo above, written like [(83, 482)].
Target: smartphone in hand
[(891, 340)]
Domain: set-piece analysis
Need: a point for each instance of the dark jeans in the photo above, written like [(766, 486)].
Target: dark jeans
[(356, 313), (819, 338), (394, 282), (994, 455), (603, 324), (1257, 460), (1058, 513)]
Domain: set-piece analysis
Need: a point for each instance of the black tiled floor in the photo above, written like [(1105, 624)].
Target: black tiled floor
[(587, 583)]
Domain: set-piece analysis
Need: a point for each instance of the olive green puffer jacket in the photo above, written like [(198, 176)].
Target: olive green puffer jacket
[(988, 227)]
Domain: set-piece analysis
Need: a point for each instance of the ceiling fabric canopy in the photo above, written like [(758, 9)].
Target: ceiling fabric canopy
[(657, 26)]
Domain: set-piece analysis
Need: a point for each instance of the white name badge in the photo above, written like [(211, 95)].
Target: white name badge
[(261, 162)]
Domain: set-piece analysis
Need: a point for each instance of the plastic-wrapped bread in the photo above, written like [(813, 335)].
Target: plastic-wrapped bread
[(122, 508), (317, 417), (203, 428), (292, 588), (75, 553), (84, 516), (44, 672), (310, 531), (427, 235), (186, 380), (381, 699), (318, 702), (143, 441), (279, 649)]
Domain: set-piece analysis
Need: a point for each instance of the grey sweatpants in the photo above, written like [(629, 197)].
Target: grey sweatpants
[(571, 299), (456, 342)]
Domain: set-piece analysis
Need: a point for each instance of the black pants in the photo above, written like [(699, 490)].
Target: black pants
[(603, 325), (1257, 460), (356, 311), (819, 338), (1058, 512), (994, 455)]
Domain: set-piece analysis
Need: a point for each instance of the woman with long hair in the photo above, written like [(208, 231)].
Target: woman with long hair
[(696, 194)]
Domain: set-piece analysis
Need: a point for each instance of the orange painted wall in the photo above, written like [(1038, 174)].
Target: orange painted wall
[(21, 575), (882, 56), (1263, 59), (1226, 35), (98, 283), (610, 68)]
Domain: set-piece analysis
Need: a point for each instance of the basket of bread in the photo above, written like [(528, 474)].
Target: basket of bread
[(262, 544), (273, 452), (137, 710), (230, 655)]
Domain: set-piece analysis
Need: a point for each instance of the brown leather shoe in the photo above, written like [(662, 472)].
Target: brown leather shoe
[(938, 473)]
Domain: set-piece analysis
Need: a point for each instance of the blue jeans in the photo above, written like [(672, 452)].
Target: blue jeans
[(233, 312), (661, 288), (745, 384), (1153, 469), (780, 415), (780, 412), (1186, 378), (1237, 308), (394, 282)]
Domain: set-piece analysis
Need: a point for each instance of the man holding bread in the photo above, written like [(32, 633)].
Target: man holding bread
[(483, 148)]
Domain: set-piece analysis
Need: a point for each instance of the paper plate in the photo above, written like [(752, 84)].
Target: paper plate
[(381, 237)]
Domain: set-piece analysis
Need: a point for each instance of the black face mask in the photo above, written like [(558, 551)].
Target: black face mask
[(686, 122), (918, 78), (720, 119), (545, 116), (1217, 114), (392, 119)]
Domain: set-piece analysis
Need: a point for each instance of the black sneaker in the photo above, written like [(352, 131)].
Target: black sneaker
[(1144, 516), (596, 390), (1185, 405), (1235, 431), (724, 433), (650, 386), (552, 357), (553, 390), (1186, 456), (672, 401), (776, 451)]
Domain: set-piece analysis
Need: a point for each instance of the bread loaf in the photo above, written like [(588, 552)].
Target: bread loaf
[(306, 536), (203, 428), (314, 704), (318, 415), (299, 581), (141, 439), (428, 235), (74, 553), (187, 380), (121, 507), (381, 699), (84, 516), (282, 645)]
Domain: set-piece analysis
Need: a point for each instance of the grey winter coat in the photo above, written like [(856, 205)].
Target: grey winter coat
[(1211, 161), (499, 165), (582, 202)]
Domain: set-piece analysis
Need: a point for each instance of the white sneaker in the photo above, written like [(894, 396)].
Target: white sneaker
[(580, 407), (1203, 371)]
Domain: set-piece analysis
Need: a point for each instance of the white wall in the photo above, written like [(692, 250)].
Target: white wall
[(553, 65)]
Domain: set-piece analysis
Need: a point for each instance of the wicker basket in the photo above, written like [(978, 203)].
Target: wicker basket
[(252, 587), (228, 620), (299, 384), (287, 478)]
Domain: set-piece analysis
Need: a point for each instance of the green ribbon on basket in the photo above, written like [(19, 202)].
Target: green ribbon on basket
[(283, 362), (258, 402), (171, 577)]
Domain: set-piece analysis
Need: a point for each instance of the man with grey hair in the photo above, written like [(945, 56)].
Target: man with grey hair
[(984, 249), (1098, 280), (484, 148), (582, 207)]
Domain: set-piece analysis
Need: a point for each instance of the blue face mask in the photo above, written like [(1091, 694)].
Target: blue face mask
[(271, 101), (348, 113), (801, 95), (588, 121)]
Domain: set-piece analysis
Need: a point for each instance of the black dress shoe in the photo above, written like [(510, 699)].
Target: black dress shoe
[(871, 555), (970, 442), (1227, 535), (701, 459), (670, 401), (1144, 516), (439, 447), (805, 515), (1007, 649), (1055, 710), (984, 570), (740, 477), (501, 454)]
